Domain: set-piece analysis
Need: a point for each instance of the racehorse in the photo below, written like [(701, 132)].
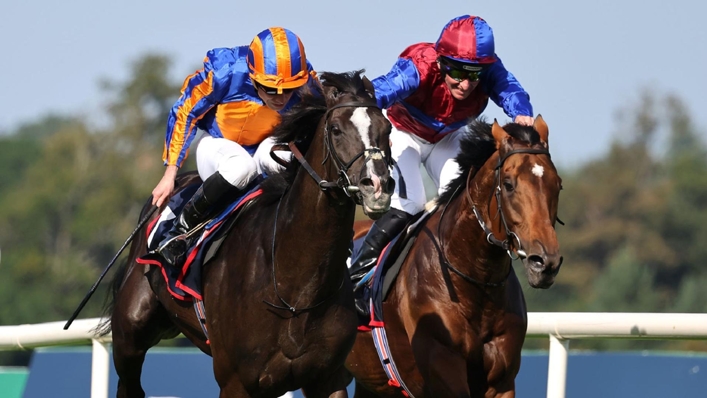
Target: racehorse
[(455, 316), (278, 298)]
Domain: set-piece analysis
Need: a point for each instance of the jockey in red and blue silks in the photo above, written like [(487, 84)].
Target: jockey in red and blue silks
[(234, 101), (430, 93)]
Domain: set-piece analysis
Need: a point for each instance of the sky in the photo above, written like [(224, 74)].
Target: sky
[(581, 61)]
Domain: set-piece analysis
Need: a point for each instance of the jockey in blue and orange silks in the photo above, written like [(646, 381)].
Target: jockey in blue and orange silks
[(235, 100), (430, 93)]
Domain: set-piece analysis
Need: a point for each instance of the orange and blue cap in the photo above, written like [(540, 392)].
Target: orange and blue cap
[(276, 59)]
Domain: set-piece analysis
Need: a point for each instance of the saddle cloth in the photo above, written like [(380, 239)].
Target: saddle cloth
[(186, 283)]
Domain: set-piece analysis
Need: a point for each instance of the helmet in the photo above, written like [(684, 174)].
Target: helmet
[(466, 40), (276, 59)]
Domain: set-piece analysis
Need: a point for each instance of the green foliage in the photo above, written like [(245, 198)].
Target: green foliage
[(72, 194), (635, 219)]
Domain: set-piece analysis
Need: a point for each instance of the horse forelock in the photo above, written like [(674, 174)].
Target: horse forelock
[(347, 82), (478, 145)]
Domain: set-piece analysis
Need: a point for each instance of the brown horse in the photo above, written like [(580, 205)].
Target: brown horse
[(278, 299), (455, 316)]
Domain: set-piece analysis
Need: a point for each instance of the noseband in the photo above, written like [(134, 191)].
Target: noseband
[(343, 182)]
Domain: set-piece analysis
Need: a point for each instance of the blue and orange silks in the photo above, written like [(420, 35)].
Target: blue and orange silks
[(221, 100), (418, 99)]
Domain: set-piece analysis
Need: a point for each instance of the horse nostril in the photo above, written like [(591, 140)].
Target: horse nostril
[(390, 185), (366, 183), (536, 262)]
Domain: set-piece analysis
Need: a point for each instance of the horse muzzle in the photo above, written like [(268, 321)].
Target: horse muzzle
[(375, 191), (542, 267)]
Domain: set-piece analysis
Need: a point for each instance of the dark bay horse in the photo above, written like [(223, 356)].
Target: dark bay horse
[(278, 299), (455, 317)]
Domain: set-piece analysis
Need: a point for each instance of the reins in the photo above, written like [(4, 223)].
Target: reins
[(287, 306)]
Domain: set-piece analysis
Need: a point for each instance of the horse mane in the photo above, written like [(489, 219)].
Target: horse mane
[(477, 146), (300, 123)]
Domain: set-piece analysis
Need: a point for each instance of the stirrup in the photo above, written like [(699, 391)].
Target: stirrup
[(365, 278)]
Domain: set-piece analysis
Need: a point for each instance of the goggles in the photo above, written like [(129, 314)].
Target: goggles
[(271, 90), (459, 74)]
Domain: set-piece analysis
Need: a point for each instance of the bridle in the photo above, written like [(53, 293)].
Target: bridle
[(511, 236), (343, 182)]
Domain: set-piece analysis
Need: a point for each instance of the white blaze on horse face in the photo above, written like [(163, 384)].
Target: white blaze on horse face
[(362, 121), (538, 170)]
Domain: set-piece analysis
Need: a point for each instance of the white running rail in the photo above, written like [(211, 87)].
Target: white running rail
[(561, 327)]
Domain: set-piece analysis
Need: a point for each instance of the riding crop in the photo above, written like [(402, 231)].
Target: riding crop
[(105, 271)]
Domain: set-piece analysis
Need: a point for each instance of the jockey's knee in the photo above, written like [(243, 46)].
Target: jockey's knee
[(409, 206), (239, 171)]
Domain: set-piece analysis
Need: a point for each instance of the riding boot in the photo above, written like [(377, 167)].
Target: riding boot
[(210, 198), (380, 234)]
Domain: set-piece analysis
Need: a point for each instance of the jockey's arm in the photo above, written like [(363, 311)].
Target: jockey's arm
[(201, 91), (402, 80), (506, 92)]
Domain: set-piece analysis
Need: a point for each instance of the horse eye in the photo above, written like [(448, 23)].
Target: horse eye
[(508, 186), (334, 128)]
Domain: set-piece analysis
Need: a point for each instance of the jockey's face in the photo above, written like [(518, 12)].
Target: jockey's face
[(274, 101), (460, 89)]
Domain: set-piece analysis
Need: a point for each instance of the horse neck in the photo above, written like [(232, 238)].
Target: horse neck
[(466, 246), (320, 221)]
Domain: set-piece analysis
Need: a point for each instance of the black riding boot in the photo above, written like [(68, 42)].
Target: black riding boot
[(211, 197), (380, 234)]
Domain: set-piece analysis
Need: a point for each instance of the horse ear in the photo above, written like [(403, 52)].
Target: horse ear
[(369, 87), (541, 127), (330, 95), (499, 134)]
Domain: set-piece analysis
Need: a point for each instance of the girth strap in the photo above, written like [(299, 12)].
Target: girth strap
[(201, 317), (380, 340)]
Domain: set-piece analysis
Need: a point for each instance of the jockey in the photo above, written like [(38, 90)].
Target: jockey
[(235, 101), (429, 94)]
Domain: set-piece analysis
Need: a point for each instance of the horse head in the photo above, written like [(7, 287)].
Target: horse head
[(526, 189), (356, 133)]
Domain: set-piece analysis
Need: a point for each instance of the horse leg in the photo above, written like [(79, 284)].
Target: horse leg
[(232, 387), (445, 372), (138, 322), (333, 386)]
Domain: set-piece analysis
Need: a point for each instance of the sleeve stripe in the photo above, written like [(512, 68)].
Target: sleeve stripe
[(191, 107)]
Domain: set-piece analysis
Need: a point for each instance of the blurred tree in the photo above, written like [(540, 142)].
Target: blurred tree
[(684, 221), (635, 207), (76, 193)]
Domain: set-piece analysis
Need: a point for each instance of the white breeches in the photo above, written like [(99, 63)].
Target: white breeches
[(233, 162), (409, 151)]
